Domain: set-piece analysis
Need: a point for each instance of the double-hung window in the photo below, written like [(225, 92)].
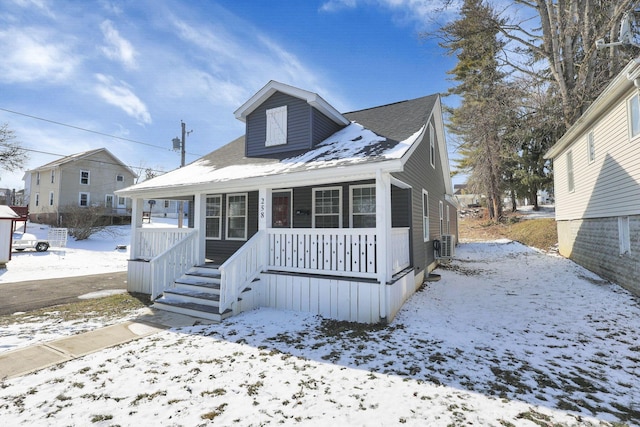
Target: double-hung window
[(425, 215), (50, 198), (634, 115), (53, 175), (213, 215), (327, 207), (37, 199), (237, 216), (83, 199), (363, 206), (84, 177)]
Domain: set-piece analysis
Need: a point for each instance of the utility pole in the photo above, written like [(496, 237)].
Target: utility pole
[(181, 142)]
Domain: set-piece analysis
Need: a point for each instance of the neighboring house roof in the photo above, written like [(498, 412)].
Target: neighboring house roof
[(7, 213), (624, 81), (81, 156), (376, 138)]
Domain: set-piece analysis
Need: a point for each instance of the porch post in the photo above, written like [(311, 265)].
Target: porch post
[(264, 208), (383, 232), (136, 222), (199, 218)]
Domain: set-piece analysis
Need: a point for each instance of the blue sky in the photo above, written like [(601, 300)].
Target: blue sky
[(135, 69)]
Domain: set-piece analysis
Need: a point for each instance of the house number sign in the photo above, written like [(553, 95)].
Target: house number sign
[(262, 208)]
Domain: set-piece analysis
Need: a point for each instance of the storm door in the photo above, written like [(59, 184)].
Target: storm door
[(281, 202)]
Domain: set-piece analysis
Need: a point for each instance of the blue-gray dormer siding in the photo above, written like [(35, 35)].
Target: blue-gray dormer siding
[(306, 127)]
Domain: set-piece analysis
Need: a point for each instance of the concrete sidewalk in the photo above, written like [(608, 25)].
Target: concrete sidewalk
[(30, 359)]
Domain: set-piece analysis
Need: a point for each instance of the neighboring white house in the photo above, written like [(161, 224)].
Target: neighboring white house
[(311, 210), (597, 183)]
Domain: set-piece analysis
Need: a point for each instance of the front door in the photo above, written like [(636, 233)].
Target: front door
[(281, 209)]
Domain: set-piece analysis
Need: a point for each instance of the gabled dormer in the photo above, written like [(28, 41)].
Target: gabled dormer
[(281, 119)]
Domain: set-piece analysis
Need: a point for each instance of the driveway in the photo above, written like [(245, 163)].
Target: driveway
[(35, 294)]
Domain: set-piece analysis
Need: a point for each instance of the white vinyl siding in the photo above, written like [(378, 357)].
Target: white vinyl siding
[(327, 207), (237, 216), (591, 147), (276, 126), (608, 187), (213, 215), (425, 215), (363, 206)]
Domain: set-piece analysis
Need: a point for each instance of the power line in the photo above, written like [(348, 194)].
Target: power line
[(90, 131)]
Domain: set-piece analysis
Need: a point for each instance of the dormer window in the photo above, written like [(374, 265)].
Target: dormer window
[(276, 126)]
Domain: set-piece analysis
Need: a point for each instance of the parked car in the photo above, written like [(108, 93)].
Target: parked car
[(29, 241)]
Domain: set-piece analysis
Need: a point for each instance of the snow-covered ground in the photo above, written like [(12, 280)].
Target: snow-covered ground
[(95, 255), (509, 336)]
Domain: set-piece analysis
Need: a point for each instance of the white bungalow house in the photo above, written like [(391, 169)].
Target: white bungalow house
[(311, 210), (597, 183)]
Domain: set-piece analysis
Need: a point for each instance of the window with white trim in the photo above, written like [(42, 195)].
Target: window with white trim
[(122, 202), (108, 201), (624, 235), (276, 126), (633, 107), (213, 217), (432, 146), (37, 178), (425, 215), (53, 175), (50, 198), (84, 177), (363, 206), (441, 210), (570, 183), (327, 207), (591, 147), (237, 216), (37, 199), (83, 199), (119, 178)]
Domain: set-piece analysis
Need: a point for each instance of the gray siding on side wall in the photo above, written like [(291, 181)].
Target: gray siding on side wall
[(322, 127), (298, 125)]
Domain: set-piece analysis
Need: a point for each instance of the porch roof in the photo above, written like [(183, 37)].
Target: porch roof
[(377, 138)]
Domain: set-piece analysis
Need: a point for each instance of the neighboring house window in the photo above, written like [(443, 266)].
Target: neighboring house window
[(83, 199), (122, 202), (570, 183), (432, 145), (634, 116), (276, 126), (37, 199), (425, 215), (213, 216), (441, 209), (166, 204), (591, 147), (108, 201), (237, 217), (623, 235), (53, 175), (37, 178), (50, 198), (84, 177), (327, 207), (119, 178), (363, 206)]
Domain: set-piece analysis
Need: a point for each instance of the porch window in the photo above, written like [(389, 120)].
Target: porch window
[(83, 199), (276, 126), (213, 214), (327, 207), (425, 215), (363, 206), (237, 217), (634, 116), (84, 177)]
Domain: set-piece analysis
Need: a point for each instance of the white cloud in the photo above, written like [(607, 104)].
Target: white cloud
[(117, 48), (121, 95), (30, 54)]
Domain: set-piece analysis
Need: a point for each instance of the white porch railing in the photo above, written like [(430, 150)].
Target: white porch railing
[(241, 268), (150, 242), (401, 255)]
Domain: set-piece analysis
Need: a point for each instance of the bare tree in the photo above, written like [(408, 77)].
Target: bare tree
[(12, 155)]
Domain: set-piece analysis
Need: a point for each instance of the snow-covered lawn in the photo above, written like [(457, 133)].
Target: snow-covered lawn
[(509, 336)]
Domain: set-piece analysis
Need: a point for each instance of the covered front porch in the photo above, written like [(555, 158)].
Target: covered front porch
[(337, 249)]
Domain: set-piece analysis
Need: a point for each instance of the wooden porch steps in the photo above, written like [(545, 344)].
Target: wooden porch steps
[(196, 293)]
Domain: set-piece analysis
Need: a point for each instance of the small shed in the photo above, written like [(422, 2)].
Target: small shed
[(7, 216)]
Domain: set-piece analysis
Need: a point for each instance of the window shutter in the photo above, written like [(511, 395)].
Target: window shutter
[(276, 126)]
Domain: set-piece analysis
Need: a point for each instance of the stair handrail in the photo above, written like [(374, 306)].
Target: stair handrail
[(239, 270), (166, 267)]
